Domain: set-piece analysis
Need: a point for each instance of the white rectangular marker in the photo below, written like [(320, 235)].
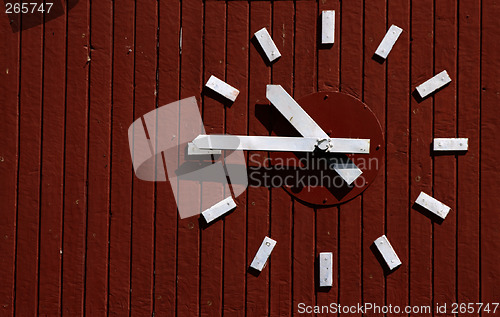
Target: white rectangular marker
[(433, 205), (219, 209), (433, 84), (388, 41), (222, 88), (388, 253), (325, 269), (328, 27), (263, 254), (267, 44), (451, 144)]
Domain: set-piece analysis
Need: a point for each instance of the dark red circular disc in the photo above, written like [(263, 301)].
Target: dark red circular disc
[(312, 181)]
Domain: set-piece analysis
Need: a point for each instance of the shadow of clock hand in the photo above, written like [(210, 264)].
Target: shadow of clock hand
[(276, 124)]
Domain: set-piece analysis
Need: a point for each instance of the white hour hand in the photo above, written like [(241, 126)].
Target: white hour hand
[(293, 112)]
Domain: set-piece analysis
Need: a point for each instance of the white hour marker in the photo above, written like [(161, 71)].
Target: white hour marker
[(325, 269), (438, 81), (328, 27), (219, 209), (387, 252), (433, 205), (263, 254), (222, 88), (450, 144), (388, 41), (267, 44)]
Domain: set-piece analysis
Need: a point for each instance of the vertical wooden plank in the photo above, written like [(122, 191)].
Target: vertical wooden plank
[(351, 80), (327, 241), (304, 216), (236, 123), (258, 197), (188, 230), (468, 112), (101, 41), (54, 92), (327, 219), (490, 218), (9, 120), (166, 208), (422, 68), (329, 56), (30, 139), (281, 202), (213, 119), (143, 192), (303, 255), (397, 152), (374, 94), (75, 175), (445, 51), (121, 174)]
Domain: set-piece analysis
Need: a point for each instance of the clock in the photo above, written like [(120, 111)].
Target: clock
[(326, 148)]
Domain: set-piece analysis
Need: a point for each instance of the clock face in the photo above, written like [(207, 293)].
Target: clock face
[(316, 183), (326, 148)]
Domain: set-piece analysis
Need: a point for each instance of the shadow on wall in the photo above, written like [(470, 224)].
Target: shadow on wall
[(23, 16)]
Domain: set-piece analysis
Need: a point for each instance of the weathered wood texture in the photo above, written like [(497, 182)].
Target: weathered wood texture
[(81, 235)]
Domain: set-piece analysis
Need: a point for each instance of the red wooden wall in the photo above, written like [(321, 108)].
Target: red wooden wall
[(80, 234)]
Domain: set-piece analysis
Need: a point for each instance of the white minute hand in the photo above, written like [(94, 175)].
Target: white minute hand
[(276, 143), (306, 126)]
